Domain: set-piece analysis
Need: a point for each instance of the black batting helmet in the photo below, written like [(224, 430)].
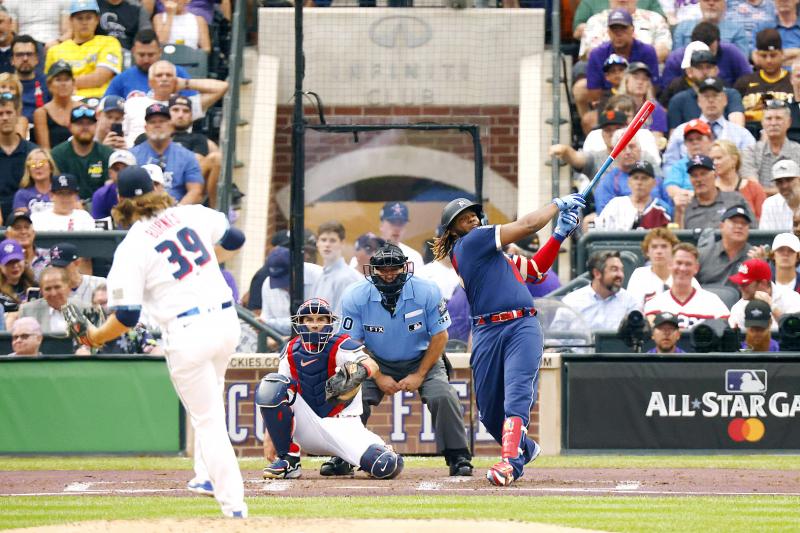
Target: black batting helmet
[(456, 207)]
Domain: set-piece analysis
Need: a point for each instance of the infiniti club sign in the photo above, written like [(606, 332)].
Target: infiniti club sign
[(400, 32)]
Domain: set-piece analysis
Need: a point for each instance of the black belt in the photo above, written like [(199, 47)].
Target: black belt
[(503, 316), (196, 310)]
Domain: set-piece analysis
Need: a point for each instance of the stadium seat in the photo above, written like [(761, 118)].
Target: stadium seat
[(193, 60), (729, 295)]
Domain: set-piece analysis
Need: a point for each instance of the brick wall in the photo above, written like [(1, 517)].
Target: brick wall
[(499, 137), (400, 421)]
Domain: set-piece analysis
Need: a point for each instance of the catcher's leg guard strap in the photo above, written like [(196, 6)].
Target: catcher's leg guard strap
[(274, 396), (381, 462), (512, 437)]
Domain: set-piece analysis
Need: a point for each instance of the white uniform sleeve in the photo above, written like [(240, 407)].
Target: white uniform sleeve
[(126, 280), (283, 366), (343, 356)]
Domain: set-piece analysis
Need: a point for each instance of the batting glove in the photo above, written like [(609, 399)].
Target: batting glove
[(567, 222), (571, 201)]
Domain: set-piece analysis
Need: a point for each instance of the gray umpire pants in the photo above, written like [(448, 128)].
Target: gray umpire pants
[(435, 391)]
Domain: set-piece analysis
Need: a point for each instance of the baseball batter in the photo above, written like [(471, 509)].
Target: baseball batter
[(167, 263), (507, 338), (313, 402)]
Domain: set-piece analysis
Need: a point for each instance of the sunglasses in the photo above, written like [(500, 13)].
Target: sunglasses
[(7, 96), (81, 112), (37, 164), (774, 103)]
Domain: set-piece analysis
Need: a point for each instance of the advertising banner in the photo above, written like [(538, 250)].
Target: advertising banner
[(741, 405)]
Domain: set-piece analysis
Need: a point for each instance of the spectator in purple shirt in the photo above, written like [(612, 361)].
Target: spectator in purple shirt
[(666, 334), (105, 198), (731, 62), (620, 30), (460, 317), (34, 187)]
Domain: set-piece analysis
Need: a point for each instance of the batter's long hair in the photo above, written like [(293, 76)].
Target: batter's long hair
[(129, 210), (442, 245)]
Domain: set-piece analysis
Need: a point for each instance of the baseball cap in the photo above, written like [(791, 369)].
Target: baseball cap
[(133, 181), (665, 318), (78, 6), (394, 212), (638, 66), (785, 168), (713, 84), (700, 126), (155, 172), (768, 40), (691, 48), (611, 118), (283, 238), (619, 17), (59, 67), (529, 243), (737, 211), (64, 182), (81, 112), (156, 109), (703, 56), (18, 216), (63, 253), (750, 271), (700, 161), (757, 314), (614, 59), (121, 156), (179, 99), (278, 268), (111, 102), (789, 240), (644, 167), (369, 242), (10, 250)]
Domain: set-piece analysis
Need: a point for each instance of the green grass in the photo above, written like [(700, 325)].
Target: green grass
[(757, 462), (627, 514)]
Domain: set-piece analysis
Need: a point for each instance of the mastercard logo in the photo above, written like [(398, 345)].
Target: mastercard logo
[(746, 429)]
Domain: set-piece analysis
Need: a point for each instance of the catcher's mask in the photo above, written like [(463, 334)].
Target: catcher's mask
[(313, 341), (389, 257)]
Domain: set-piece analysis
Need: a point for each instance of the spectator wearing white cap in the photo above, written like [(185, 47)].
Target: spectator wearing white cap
[(776, 212), (105, 198), (785, 257), (156, 176)]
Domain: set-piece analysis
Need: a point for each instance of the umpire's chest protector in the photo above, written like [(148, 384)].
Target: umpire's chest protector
[(312, 370)]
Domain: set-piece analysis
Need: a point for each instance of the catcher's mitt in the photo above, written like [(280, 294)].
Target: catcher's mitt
[(77, 324), (345, 383)]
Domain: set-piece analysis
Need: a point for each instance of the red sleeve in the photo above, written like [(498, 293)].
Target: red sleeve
[(534, 270)]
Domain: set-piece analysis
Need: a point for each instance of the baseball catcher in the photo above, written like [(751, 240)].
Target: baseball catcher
[(314, 401)]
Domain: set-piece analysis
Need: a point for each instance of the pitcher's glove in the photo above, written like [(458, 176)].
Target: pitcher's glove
[(346, 382), (77, 324)]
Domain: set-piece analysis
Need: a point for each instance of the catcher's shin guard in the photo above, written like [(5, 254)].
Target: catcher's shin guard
[(381, 462), (513, 433), (274, 397)]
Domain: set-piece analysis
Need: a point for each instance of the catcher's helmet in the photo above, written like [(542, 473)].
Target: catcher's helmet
[(313, 341), (456, 207), (389, 255)]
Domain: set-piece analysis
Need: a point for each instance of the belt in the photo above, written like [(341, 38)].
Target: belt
[(503, 316), (196, 310)]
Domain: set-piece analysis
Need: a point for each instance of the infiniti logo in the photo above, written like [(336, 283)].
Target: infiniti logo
[(400, 32)]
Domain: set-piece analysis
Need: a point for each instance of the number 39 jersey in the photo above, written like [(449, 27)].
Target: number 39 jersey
[(167, 263)]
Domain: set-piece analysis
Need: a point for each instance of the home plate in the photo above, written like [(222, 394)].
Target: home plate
[(627, 485), (277, 486), (428, 485), (77, 487)]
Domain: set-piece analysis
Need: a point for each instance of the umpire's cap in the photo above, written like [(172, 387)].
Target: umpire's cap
[(456, 207)]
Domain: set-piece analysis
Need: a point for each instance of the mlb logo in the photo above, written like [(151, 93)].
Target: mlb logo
[(749, 381)]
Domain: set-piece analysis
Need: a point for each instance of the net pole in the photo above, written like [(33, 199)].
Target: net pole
[(297, 197)]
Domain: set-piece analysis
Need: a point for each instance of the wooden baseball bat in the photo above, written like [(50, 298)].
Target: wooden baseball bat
[(638, 121)]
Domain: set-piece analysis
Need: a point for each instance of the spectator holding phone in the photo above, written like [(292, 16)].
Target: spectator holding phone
[(110, 114)]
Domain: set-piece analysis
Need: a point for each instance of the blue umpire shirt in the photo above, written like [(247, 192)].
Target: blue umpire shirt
[(420, 314)]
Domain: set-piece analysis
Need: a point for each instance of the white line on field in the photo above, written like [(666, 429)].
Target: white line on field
[(428, 485), (628, 485), (77, 486)]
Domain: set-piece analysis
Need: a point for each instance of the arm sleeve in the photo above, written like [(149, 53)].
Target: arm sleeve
[(680, 37), (115, 87), (749, 166), (283, 365), (740, 40), (673, 151), (594, 71), (534, 270), (436, 315), (674, 109), (351, 318), (126, 279), (110, 56), (193, 174), (144, 20), (603, 192)]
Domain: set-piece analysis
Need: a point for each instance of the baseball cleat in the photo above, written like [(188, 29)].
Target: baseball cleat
[(460, 466), (201, 486), (501, 474), (285, 467), (536, 451), (336, 466)]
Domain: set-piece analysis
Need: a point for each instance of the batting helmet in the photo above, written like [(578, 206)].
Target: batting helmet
[(389, 255), (313, 341), (456, 207)]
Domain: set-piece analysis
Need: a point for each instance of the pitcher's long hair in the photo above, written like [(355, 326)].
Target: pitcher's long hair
[(129, 210)]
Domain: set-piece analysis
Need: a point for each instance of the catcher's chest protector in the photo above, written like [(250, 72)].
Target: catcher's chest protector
[(312, 370)]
